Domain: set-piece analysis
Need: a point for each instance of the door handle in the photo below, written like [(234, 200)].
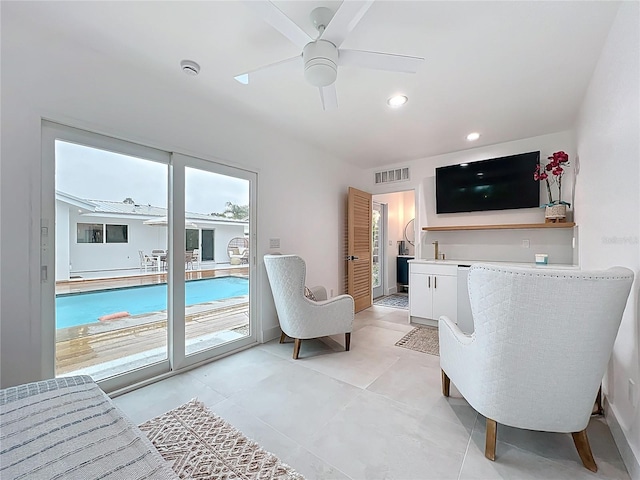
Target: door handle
[(429, 281), (435, 282), (352, 257)]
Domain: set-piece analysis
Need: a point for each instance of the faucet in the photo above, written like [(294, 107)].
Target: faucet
[(435, 246)]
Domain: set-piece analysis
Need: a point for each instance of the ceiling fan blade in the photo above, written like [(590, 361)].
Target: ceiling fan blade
[(379, 61), (345, 19), (329, 97), (267, 70), (278, 20)]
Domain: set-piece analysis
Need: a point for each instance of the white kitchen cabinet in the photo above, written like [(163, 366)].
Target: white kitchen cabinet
[(433, 291)]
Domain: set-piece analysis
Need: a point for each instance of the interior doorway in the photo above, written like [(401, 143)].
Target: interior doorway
[(399, 240), (379, 234)]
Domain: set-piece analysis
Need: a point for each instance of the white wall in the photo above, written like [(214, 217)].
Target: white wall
[(608, 204), (89, 257), (423, 181), (301, 190)]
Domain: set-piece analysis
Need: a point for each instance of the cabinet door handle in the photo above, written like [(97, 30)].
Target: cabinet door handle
[(429, 281), (435, 282)]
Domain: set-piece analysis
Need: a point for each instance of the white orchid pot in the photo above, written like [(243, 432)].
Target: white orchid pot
[(555, 213)]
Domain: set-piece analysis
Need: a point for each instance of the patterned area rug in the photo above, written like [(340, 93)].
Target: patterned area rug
[(395, 300), (421, 339), (200, 445)]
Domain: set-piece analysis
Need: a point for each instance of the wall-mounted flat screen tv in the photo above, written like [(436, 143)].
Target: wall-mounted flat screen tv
[(496, 184)]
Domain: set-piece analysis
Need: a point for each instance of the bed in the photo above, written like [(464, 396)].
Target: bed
[(68, 428)]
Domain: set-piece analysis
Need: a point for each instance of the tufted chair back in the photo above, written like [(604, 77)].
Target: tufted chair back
[(541, 343), (301, 318)]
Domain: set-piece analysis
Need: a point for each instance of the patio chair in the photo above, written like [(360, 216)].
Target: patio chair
[(236, 249), (146, 261), (188, 261), (162, 256), (195, 258)]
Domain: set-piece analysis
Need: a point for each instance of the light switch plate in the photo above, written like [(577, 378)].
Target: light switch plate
[(274, 243)]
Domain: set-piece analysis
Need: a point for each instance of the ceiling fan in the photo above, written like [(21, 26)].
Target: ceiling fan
[(322, 55)]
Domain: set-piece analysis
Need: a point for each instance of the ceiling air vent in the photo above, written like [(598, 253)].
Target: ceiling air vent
[(389, 176)]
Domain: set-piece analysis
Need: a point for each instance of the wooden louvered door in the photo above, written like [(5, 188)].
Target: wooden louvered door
[(359, 248)]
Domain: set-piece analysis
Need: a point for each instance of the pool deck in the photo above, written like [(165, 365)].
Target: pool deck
[(104, 349), (91, 284)]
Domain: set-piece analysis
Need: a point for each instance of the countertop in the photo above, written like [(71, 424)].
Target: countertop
[(513, 264)]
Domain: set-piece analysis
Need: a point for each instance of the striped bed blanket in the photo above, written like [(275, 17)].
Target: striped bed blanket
[(68, 428)]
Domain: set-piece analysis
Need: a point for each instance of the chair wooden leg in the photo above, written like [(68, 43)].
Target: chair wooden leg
[(490, 440), (283, 337), (347, 341), (584, 450), (296, 348), (446, 384)]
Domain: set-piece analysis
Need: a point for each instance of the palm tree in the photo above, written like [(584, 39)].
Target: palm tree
[(233, 211)]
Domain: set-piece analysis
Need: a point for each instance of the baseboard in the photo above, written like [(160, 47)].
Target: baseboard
[(270, 334), (424, 321), (392, 290), (628, 457)]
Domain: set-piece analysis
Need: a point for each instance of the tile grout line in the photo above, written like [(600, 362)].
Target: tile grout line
[(466, 452), (272, 427), (381, 374)]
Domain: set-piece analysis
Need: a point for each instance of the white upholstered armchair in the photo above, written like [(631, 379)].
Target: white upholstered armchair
[(541, 343), (301, 318)]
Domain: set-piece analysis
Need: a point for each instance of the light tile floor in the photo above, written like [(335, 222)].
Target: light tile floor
[(375, 412)]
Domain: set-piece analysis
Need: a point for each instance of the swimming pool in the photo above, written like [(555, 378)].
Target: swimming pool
[(79, 308)]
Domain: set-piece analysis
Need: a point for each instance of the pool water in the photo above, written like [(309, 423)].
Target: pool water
[(81, 308)]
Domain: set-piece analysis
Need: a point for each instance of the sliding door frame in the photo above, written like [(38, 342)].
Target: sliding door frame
[(177, 242), (176, 163)]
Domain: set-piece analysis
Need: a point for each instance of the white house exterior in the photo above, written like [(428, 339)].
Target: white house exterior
[(76, 253)]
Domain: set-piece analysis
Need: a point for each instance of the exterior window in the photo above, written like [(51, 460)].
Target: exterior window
[(117, 233), (192, 239), (90, 233)]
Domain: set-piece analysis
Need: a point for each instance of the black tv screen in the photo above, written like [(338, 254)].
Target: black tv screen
[(497, 184)]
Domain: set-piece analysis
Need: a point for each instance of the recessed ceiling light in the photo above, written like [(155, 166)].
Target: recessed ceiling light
[(190, 67), (473, 136), (397, 101), (464, 164)]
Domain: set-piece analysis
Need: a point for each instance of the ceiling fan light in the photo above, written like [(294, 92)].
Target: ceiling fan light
[(320, 63), (397, 101), (320, 74)]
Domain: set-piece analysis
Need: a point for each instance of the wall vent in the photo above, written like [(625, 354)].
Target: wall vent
[(389, 176)]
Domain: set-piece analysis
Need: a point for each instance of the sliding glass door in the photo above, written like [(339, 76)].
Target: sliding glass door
[(217, 296), (111, 294), (136, 274)]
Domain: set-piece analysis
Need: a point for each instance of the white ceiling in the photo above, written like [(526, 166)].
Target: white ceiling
[(508, 70)]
